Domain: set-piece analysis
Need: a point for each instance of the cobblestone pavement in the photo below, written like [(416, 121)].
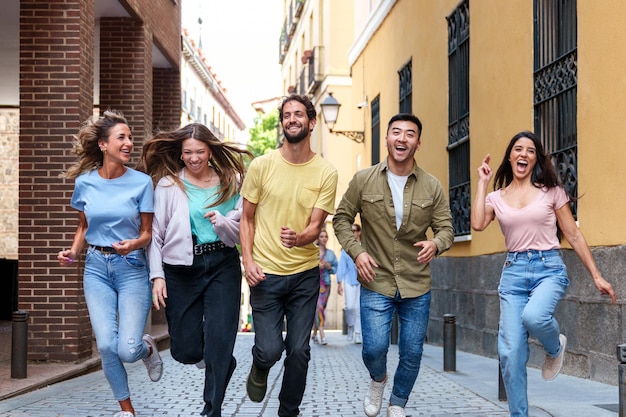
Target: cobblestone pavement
[(337, 381), (336, 384)]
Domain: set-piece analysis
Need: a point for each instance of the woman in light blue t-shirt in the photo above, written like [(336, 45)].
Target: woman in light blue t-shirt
[(115, 206)]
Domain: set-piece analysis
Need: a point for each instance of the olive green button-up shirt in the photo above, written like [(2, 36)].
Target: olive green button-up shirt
[(425, 206)]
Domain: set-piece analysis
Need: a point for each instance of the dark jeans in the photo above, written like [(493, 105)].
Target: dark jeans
[(203, 318), (294, 297)]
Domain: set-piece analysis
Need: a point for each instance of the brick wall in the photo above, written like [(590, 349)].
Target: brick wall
[(161, 18), (126, 74), (56, 97), (56, 94), (166, 97)]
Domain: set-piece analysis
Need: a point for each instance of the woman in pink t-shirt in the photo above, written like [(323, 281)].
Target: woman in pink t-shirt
[(528, 202)]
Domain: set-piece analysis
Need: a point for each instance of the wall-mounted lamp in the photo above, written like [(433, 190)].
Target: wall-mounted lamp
[(330, 110)]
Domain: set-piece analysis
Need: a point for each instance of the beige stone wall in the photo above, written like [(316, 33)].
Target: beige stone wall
[(9, 148)]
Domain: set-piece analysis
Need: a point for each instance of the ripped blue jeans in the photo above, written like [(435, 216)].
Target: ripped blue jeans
[(118, 295)]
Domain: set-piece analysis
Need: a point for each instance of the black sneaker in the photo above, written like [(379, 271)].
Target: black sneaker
[(257, 384)]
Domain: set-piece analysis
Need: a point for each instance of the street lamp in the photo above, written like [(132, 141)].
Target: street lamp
[(330, 110)]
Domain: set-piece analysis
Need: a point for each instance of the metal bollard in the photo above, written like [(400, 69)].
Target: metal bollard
[(19, 344), (621, 368), (449, 343), (344, 326)]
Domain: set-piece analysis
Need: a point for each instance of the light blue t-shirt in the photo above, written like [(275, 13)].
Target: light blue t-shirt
[(113, 207), (199, 198)]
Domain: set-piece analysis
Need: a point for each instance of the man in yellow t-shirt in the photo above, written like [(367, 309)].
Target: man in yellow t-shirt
[(288, 193)]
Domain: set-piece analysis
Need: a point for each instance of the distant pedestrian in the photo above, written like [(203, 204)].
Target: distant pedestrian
[(287, 195), (397, 202), (115, 209), (194, 264), (328, 266), (530, 204), (348, 284)]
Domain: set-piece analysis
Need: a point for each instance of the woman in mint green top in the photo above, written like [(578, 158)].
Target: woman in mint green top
[(194, 264)]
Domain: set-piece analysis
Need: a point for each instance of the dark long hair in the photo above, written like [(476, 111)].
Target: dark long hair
[(544, 174)]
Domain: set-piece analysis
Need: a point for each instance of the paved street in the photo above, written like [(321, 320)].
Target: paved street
[(337, 381)]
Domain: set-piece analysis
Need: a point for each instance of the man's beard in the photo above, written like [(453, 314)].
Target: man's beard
[(299, 137)]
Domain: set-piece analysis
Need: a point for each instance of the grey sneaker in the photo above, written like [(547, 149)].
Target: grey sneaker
[(357, 338), (153, 363), (374, 398), (552, 366), (395, 411), (350, 333)]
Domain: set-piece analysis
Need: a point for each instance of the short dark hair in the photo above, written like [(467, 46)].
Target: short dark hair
[(408, 117), (304, 100)]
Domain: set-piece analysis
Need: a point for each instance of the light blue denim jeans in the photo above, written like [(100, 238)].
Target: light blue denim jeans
[(376, 315), (118, 295), (531, 286)]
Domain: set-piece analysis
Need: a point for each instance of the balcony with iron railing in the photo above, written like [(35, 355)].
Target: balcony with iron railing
[(299, 6), (314, 68)]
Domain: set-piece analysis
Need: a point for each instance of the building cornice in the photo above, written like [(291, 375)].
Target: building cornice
[(376, 18)]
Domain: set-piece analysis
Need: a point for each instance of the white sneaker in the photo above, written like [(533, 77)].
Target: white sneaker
[(153, 363), (374, 398), (395, 411), (552, 366), (357, 338), (350, 333), (124, 414)]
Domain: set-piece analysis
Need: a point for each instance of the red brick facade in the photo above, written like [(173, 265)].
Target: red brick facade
[(56, 96)]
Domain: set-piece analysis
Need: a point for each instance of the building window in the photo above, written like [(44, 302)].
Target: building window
[(458, 118), (406, 88), (376, 130), (556, 80), (184, 99)]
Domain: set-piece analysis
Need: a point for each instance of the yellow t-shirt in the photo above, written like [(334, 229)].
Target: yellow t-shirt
[(285, 195)]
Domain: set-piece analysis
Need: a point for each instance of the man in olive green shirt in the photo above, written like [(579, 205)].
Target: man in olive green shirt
[(397, 202)]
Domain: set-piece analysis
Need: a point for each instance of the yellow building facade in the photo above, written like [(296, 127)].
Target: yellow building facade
[(393, 41)]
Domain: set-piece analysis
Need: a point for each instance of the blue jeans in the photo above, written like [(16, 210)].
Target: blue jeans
[(203, 318), (118, 294), (376, 315), (294, 297), (531, 286)]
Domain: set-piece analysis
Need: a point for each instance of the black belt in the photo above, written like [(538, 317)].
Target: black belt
[(208, 247), (104, 249)]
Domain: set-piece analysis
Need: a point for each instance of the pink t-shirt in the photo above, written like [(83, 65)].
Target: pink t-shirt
[(533, 226)]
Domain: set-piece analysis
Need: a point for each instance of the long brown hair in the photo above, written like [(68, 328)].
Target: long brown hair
[(161, 157), (86, 147)]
